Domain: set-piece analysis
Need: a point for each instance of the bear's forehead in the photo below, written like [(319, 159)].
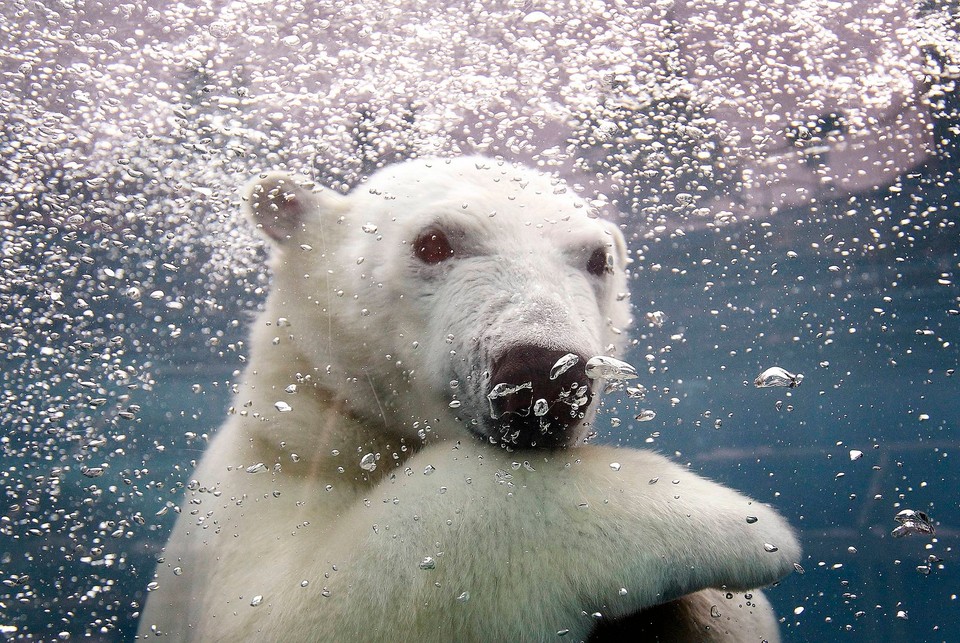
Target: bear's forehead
[(477, 194)]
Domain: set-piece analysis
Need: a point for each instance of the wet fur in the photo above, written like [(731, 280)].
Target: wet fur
[(525, 544)]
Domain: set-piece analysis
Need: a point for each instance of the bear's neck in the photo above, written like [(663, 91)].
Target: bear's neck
[(279, 396)]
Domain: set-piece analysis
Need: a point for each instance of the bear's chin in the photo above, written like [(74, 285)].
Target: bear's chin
[(520, 433)]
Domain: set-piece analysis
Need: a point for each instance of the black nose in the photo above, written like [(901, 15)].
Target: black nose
[(538, 397)]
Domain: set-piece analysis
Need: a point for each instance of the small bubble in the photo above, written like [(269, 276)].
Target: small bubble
[(428, 563), (429, 469), (454, 404), (656, 318), (751, 520), (913, 522), (540, 407), (645, 415), (776, 376), (615, 466), (463, 597), (282, 406), (603, 367), (770, 548), (257, 468), (563, 365), (256, 600), (636, 392), (368, 462)]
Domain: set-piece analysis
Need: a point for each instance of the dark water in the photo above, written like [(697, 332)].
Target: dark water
[(863, 304)]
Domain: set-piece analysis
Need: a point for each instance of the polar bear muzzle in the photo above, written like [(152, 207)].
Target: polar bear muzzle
[(529, 408)]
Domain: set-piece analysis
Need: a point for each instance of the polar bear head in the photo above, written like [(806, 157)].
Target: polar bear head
[(439, 295)]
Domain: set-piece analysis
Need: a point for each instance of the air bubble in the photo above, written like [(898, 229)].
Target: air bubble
[(502, 390), (540, 407), (368, 462), (776, 376), (609, 368), (563, 365), (913, 522)]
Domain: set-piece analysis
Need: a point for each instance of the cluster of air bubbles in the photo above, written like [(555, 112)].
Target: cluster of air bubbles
[(498, 394), (167, 117)]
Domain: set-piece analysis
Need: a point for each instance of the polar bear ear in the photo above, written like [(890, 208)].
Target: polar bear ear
[(284, 206)]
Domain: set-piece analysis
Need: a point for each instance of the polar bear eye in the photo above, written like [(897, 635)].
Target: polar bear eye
[(432, 247), (600, 262)]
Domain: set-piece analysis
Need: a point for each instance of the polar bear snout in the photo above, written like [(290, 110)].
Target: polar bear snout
[(538, 397)]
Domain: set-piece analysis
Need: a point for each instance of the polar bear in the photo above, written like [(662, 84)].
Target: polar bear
[(406, 460)]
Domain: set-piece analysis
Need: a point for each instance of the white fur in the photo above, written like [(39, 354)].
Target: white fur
[(524, 544)]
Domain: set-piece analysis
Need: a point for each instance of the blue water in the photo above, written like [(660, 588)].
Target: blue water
[(864, 316), (870, 380)]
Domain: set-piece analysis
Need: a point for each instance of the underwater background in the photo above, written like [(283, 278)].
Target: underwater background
[(129, 279)]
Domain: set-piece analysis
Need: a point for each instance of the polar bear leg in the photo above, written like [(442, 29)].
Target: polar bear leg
[(485, 546)]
